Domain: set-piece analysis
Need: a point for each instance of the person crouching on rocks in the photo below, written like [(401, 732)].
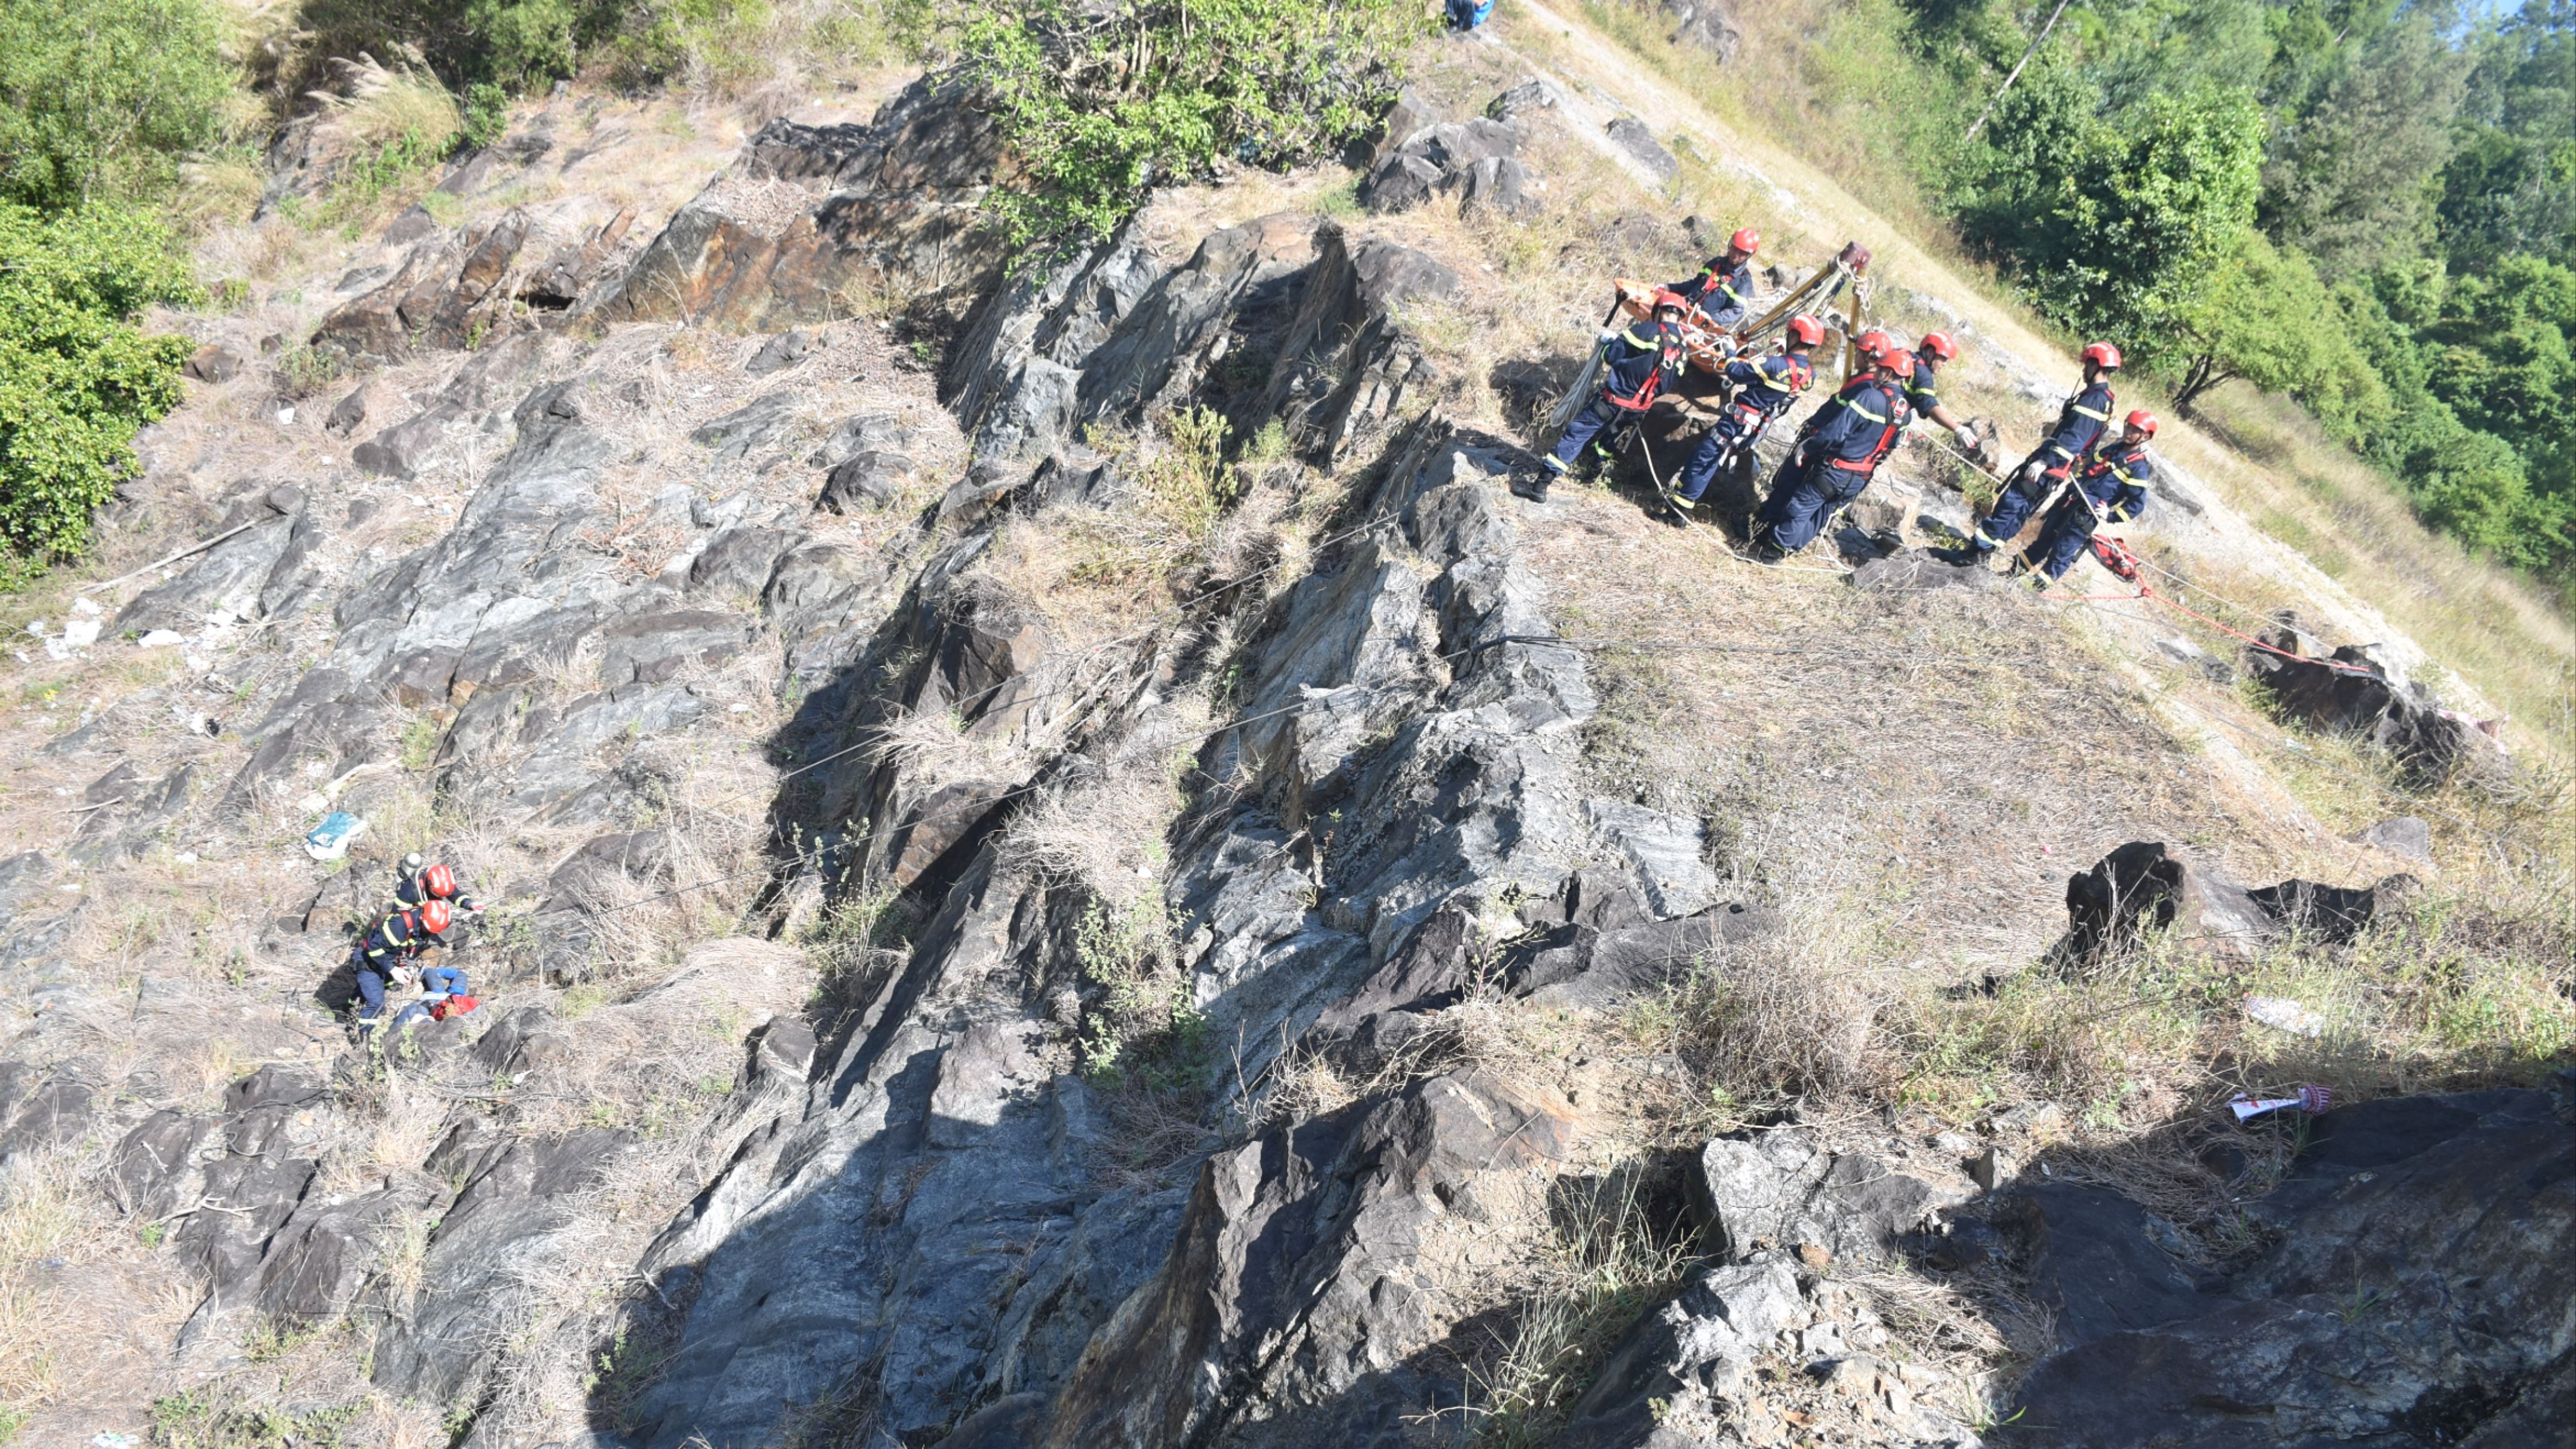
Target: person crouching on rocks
[(391, 953), (416, 885)]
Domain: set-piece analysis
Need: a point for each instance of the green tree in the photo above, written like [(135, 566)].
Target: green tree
[(99, 98), (2267, 319), (2351, 182), (2511, 184), (77, 377), (2118, 227), (1102, 103)]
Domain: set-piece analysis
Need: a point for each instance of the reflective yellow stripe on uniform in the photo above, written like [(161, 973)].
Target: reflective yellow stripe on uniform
[(2084, 411), (1864, 412), (1636, 341)]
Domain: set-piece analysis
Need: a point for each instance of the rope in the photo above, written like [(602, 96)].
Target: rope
[(2147, 592)]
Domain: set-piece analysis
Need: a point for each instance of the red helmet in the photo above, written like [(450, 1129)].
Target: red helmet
[(1745, 240), (1672, 299), (2143, 421), (1807, 330), (436, 916), (438, 882), (2104, 355), (1873, 344), (1939, 345)]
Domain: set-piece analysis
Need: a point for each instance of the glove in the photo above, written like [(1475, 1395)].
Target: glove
[(2030, 474), (1967, 436), (1798, 455), (1606, 335)]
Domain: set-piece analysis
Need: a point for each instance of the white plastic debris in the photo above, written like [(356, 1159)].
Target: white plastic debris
[(186, 857), (286, 417), (109, 1439), (2283, 1014), (87, 608), (332, 838), (161, 639), (2312, 1100)]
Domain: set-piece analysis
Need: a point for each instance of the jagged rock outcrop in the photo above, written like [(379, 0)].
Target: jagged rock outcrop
[(812, 216), (1780, 1189), (2417, 1294), (445, 292), (1112, 331), (1707, 24), (1444, 157), (1469, 793), (2350, 692), (1346, 365)]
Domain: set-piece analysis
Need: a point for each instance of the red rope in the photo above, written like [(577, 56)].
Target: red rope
[(2146, 591), (2336, 665)]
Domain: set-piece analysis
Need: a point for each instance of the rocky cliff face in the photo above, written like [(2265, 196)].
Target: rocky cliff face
[(912, 1205)]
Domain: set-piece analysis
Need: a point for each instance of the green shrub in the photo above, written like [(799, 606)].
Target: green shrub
[(1101, 105), (98, 98), (77, 378)]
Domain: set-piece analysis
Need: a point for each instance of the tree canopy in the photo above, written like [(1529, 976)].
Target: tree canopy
[(2369, 205)]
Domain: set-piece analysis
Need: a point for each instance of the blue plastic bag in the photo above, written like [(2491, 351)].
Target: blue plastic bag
[(332, 838)]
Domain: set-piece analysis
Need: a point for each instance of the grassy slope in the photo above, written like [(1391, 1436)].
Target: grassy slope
[(2323, 532)]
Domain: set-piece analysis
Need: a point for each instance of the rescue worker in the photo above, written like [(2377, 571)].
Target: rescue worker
[(1838, 450), (2111, 488), (2079, 426), (386, 954), (1723, 290), (1764, 389), (1638, 364), (1922, 391), (416, 885)]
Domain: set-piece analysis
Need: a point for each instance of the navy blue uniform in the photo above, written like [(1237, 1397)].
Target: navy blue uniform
[(1764, 389), (402, 938), (2115, 483), (2079, 426), (1638, 364), (1723, 293), (1922, 390), (1842, 446)]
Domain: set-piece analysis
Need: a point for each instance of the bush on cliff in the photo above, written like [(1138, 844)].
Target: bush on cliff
[(1102, 104), (77, 378)]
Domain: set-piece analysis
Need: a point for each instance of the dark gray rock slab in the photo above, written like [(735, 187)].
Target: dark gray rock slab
[(1779, 1189), (2096, 1261), (2349, 692), (1700, 1343), (1915, 571), (2418, 1293), (865, 483), (2404, 835), (1637, 139), (781, 352), (2147, 886), (766, 422)]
